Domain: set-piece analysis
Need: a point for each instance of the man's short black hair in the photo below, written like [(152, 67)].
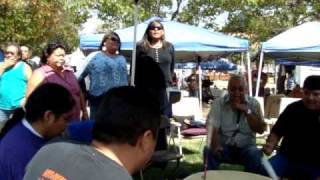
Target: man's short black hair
[(312, 83), (124, 114)]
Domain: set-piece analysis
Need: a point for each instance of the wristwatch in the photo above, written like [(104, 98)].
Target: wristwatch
[(248, 111)]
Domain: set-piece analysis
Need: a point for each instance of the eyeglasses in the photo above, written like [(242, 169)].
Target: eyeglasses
[(155, 28)]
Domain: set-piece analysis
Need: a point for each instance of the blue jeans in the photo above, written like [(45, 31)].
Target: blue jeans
[(249, 157), (285, 168), (4, 117), (193, 93)]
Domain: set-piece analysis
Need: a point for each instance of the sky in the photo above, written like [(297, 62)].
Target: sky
[(92, 23)]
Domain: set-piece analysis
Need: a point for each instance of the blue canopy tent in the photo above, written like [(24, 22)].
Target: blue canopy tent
[(190, 42), (314, 63), (301, 43), (217, 65)]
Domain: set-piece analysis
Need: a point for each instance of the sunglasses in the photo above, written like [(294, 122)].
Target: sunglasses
[(114, 39), (155, 28)]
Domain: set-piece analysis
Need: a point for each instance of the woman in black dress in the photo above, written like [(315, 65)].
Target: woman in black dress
[(154, 45)]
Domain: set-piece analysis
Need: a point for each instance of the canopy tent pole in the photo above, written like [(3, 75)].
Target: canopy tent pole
[(259, 74), (241, 64), (249, 73), (134, 48), (200, 85), (275, 76)]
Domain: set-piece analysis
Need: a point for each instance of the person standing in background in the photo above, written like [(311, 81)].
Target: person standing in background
[(1, 55), (154, 45), (193, 83), (12, 70), (291, 82), (25, 56), (53, 70), (106, 69)]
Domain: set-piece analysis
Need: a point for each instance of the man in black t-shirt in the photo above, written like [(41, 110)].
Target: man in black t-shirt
[(299, 128)]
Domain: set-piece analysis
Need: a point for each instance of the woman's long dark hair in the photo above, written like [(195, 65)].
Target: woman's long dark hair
[(47, 97)]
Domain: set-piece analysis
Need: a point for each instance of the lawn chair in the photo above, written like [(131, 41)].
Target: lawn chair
[(187, 121)]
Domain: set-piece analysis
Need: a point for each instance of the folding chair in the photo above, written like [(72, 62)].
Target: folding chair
[(187, 112)]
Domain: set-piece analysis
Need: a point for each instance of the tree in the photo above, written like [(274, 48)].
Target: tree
[(119, 13), (37, 22), (257, 20)]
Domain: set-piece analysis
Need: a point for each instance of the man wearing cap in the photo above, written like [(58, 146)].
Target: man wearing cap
[(299, 129)]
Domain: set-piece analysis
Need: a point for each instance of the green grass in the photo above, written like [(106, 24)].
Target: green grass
[(190, 164)]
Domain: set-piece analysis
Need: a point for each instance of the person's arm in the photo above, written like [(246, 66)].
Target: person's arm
[(7, 63), (172, 52), (213, 125), (27, 73), (84, 73), (83, 106), (271, 144), (256, 121), (254, 116), (35, 80), (2, 69), (215, 141)]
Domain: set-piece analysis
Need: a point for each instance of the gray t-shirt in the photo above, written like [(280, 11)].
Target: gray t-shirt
[(70, 161)]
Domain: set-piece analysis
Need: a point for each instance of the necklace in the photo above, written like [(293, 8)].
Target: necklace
[(157, 54)]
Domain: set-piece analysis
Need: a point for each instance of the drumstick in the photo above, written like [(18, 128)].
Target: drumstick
[(205, 167), (265, 162), (209, 136)]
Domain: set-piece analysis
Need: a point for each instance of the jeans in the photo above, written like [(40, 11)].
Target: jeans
[(94, 102), (194, 93), (4, 117), (285, 168), (249, 157)]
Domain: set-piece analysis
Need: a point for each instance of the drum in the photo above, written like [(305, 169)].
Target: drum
[(227, 175)]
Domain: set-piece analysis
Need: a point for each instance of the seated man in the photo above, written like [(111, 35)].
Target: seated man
[(235, 119), (124, 137), (47, 112), (299, 128)]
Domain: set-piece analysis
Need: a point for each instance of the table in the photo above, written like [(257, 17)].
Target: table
[(227, 175)]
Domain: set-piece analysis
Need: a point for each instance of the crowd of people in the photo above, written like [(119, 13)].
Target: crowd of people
[(56, 126), (40, 102)]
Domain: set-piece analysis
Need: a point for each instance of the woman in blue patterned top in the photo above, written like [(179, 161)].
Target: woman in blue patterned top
[(106, 69)]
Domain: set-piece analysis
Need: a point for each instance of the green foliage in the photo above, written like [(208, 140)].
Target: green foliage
[(262, 19), (120, 13), (37, 22), (257, 20)]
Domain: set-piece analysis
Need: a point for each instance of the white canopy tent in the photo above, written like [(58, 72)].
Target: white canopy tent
[(301, 43)]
